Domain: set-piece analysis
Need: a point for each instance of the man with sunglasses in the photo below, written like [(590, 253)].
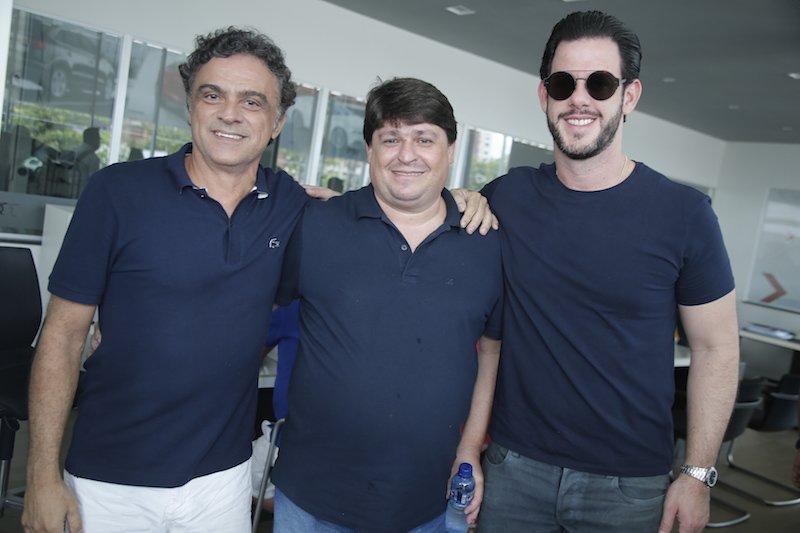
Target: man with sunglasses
[(600, 254)]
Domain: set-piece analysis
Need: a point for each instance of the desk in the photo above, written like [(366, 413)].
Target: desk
[(793, 345)]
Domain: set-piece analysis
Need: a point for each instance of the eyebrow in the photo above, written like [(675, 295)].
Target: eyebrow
[(244, 94)]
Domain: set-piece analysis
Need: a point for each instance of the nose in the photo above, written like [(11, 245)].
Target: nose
[(407, 153), (229, 111), (580, 94)]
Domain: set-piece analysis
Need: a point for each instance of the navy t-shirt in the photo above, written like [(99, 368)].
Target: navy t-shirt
[(184, 295), (387, 363), (593, 281)]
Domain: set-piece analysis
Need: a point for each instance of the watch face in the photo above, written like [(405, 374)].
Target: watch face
[(711, 478)]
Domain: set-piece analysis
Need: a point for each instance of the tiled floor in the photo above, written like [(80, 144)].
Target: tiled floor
[(769, 453)]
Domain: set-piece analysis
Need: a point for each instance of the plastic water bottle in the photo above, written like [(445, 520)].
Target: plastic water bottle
[(462, 490)]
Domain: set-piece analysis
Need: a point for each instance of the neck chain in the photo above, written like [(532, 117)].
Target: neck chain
[(622, 171)]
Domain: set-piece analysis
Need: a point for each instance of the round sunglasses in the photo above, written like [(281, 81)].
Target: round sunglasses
[(600, 85)]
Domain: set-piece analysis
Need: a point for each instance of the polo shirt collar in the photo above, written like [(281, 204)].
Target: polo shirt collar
[(177, 169), (366, 206)]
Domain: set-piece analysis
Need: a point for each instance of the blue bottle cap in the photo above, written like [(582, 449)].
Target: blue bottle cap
[(465, 470)]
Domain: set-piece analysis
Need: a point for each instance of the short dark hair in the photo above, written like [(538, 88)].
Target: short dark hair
[(411, 101), (231, 41), (91, 136), (593, 25)]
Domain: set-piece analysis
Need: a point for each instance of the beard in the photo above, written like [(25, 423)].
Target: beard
[(601, 143)]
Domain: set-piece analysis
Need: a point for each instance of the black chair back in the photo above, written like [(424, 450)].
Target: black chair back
[(750, 389), (740, 418), (20, 318), (779, 411), (20, 300)]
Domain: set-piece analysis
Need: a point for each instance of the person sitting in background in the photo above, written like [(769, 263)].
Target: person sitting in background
[(135, 154)]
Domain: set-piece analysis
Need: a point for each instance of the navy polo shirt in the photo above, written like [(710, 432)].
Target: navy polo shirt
[(386, 365), (184, 295)]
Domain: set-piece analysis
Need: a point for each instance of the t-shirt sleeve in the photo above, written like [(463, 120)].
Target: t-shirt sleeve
[(706, 274)]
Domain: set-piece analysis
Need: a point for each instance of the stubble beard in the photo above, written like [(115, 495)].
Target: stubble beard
[(607, 135)]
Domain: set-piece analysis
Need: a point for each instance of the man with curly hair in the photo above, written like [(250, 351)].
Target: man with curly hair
[(180, 255)]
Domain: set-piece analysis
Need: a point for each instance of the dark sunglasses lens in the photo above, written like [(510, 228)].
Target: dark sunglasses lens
[(560, 85), (601, 85)]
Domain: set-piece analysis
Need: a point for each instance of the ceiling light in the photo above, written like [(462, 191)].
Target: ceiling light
[(787, 128), (794, 75), (460, 10), (669, 79), (734, 107)]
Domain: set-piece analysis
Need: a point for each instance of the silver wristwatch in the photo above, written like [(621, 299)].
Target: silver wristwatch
[(706, 475)]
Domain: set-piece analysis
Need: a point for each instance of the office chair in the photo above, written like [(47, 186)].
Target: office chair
[(20, 317), (740, 417), (779, 413)]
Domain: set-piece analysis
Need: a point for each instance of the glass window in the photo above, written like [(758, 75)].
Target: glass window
[(60, 88), (487, 157), (294, 143), (62, 84), (344, 157), (155, 121)]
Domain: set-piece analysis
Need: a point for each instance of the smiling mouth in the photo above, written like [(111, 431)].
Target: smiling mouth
[(407, 172), (231, 136), (579, 121)]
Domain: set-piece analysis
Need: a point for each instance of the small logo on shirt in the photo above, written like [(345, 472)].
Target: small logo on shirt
[(274, 243)]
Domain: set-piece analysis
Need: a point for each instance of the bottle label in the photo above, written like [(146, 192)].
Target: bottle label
[(460, 498)]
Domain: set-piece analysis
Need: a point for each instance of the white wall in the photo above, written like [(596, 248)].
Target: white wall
[(345, 52)]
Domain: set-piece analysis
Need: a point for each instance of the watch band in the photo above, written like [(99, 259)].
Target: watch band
[(706, 475), (797, 445)]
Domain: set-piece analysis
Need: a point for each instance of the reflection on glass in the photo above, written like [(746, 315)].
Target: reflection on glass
[(344, 157), (294, 143), (155, 121), (60, 94), (487, 157)]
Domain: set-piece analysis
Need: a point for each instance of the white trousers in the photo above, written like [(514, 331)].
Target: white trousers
[(218, 502)]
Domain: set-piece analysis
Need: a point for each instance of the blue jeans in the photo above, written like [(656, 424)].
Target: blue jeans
[(289, 518), (523, 495)]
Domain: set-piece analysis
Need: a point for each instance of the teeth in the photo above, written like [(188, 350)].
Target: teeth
[(227, 135), (580, 122)]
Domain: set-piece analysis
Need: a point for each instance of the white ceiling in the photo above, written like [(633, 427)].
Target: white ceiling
[(729, 59)]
